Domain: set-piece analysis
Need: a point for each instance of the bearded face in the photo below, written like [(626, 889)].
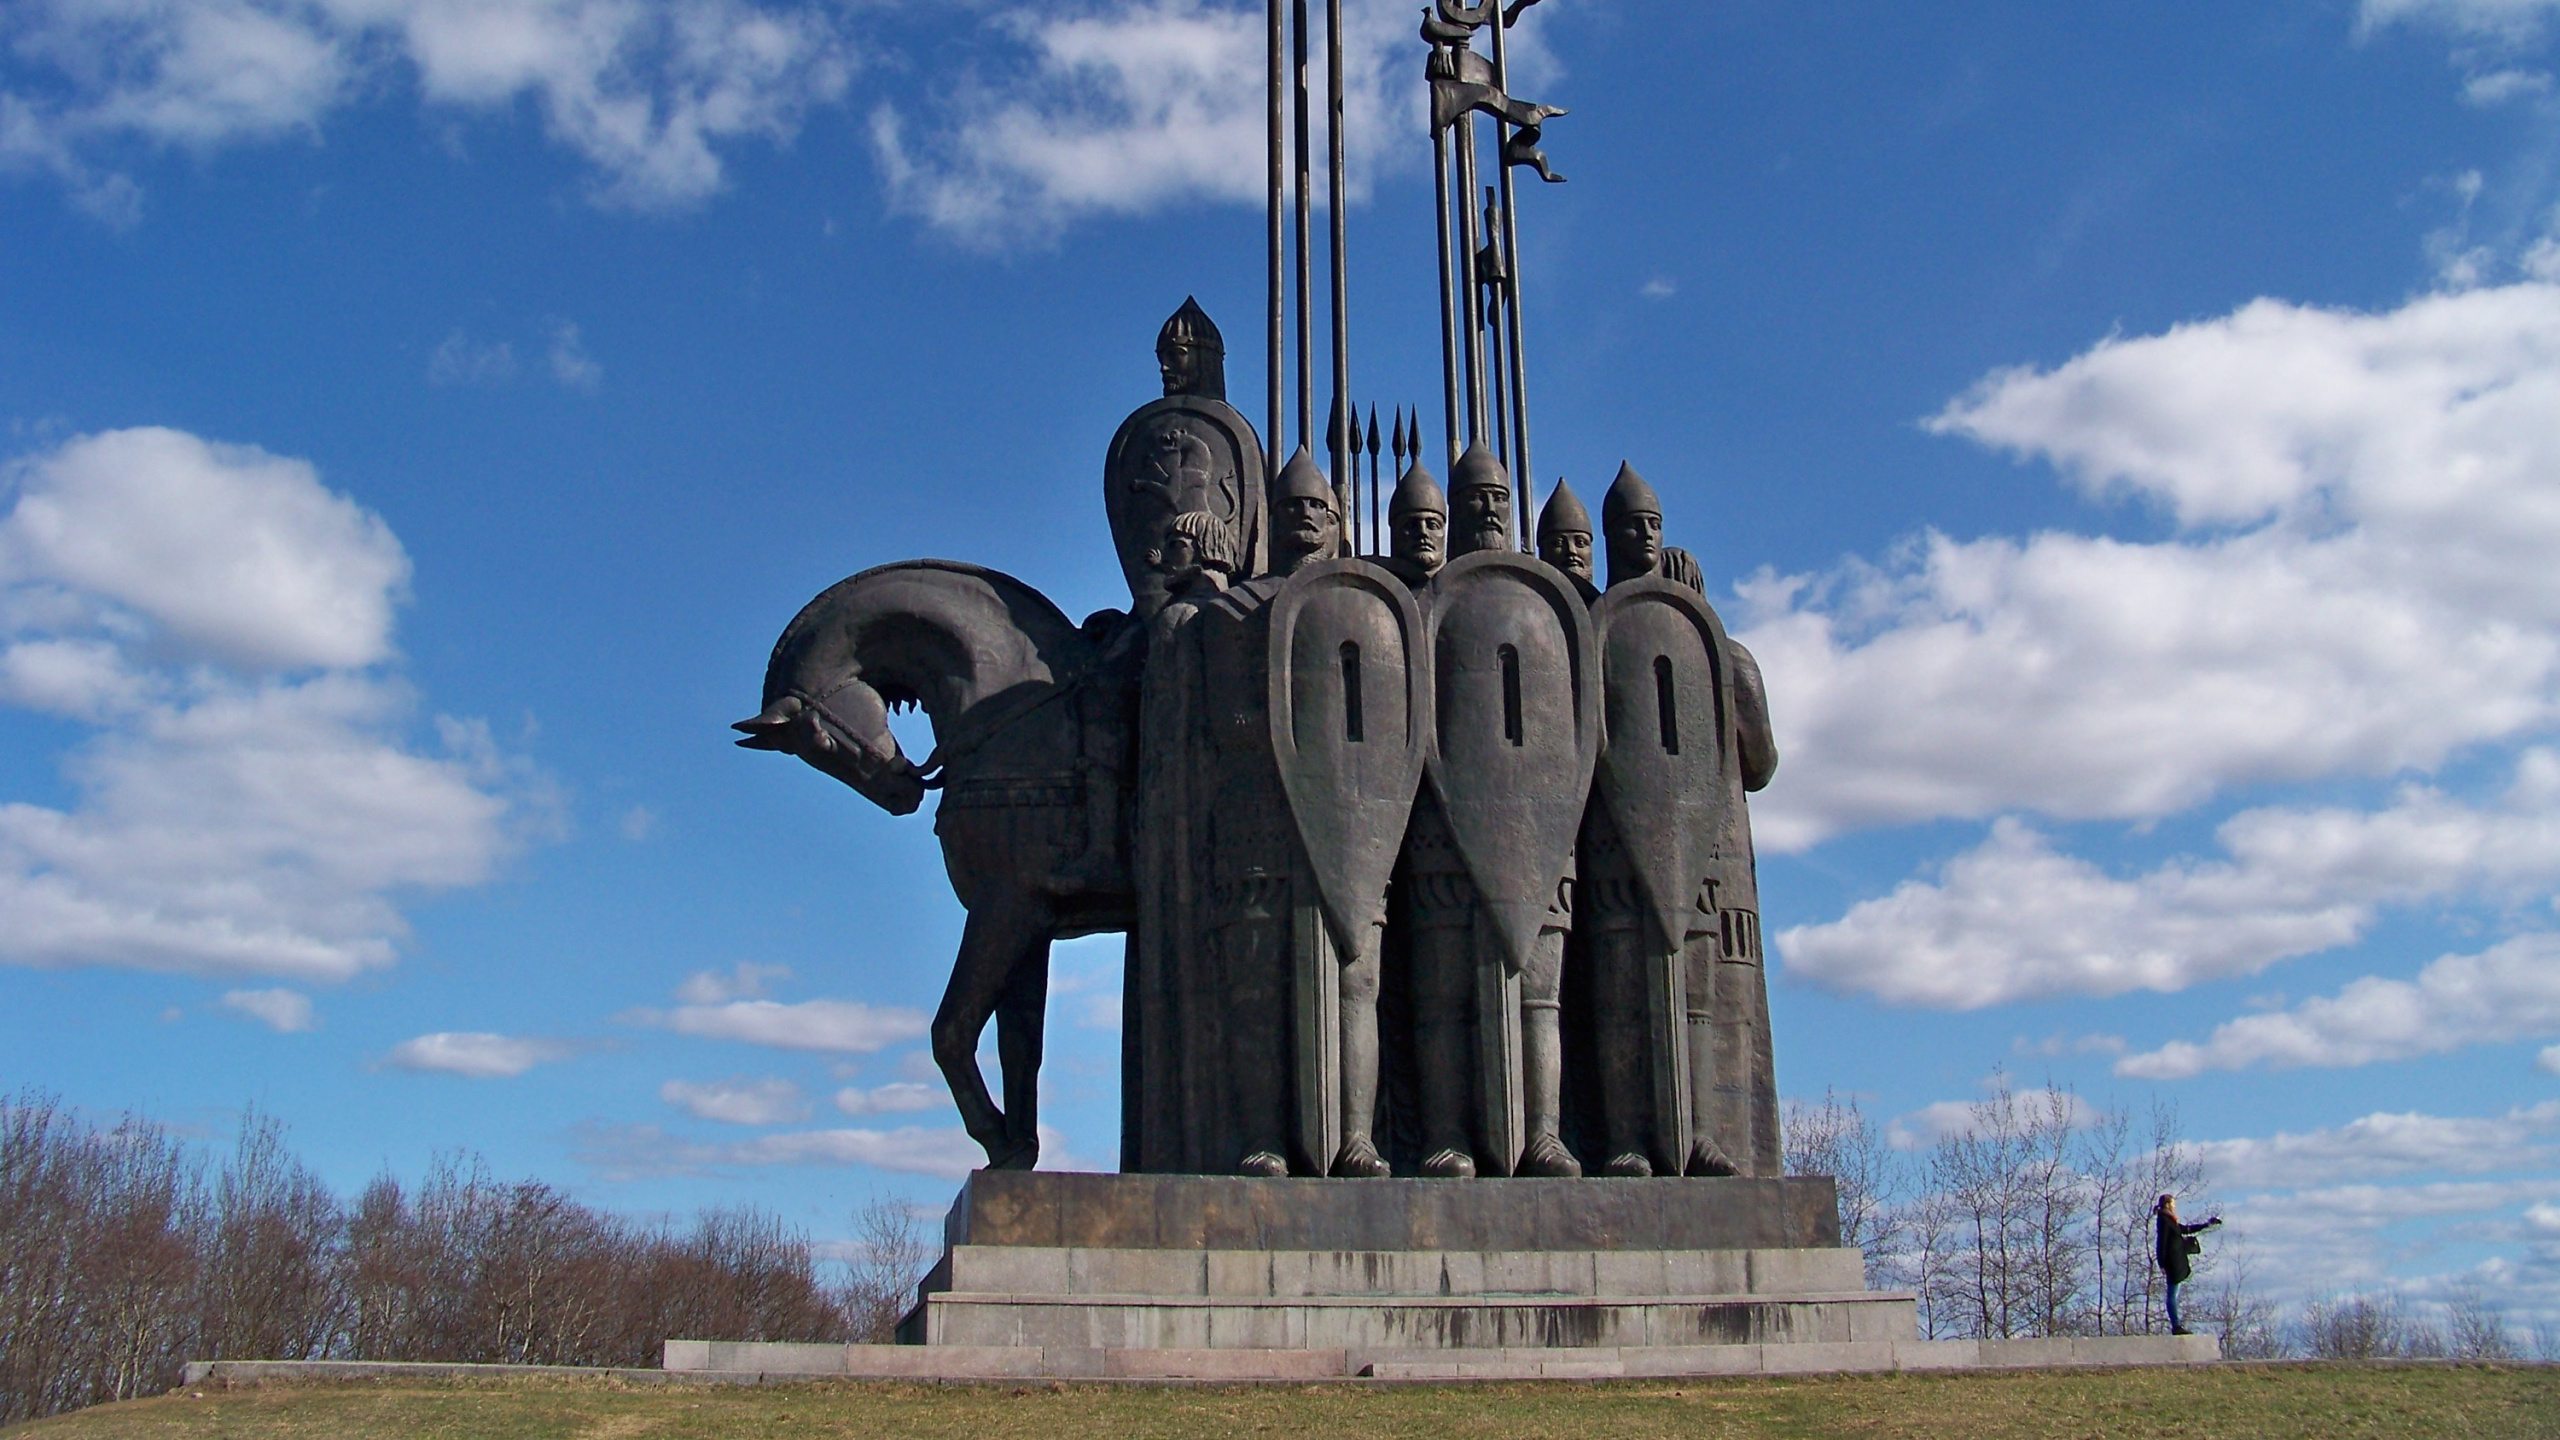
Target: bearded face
[(1484, 518)]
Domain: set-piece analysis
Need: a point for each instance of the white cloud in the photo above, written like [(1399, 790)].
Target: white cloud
[(231, 553), (2512, 21), (460, 360), (250, 802), (631, 1152), (2359, 586), (747, 981), (647, 92), (1659, 288), (738, 1102), (2508, 992), (1943, 1119), (2380, 1146), (2548, 1062), (570, 363), (842, 1026), (286, 1012), (2500, 86), (476, 1054), (1124, 108), (899, 1097), (637, 824), (2013, 919)]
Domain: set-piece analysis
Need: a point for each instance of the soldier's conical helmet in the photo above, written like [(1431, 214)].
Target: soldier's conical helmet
[(1629, 495), (1477, 467), (1418, 490), (1301, 479), (1562, 514), (1191, 325)]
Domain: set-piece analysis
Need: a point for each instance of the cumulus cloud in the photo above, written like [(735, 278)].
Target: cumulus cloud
[(640, 1151), (571, 365), (2509, 992), (1948, 1119), (647, 92), (839, 1026), (250, 799), (461, 360), (476, 1054), (2357, 586), (745, 981), (286, 1012), (2514, 22), (2014, 919), (1121, 109), (2382, 1145), (899, 1097), (738, 1102)]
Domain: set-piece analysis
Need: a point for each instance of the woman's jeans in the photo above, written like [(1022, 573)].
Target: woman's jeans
[(2172, 1299)]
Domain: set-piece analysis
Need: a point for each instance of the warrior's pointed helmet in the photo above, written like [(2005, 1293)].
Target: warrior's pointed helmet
[(1629, 495), (1562, 514), (1419, 490), (1301, 478), (1477, 468), (1192, 353)]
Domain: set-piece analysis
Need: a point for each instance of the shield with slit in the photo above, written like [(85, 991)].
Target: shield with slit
[(1350, 695), (1516, 724), (1662, 757)]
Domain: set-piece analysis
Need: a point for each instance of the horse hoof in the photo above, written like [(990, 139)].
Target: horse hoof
[(1264, 1164), (1628, 1166), (1021, 1157), (1450, 1165), (1549, 1160), (1359, 1160), (1709, 1159)]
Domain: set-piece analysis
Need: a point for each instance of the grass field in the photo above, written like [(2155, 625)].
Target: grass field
[(2261, 1402)]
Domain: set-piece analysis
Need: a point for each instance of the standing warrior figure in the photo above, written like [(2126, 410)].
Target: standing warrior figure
[(1266, 934), (1732, 1075), (1485, 985)]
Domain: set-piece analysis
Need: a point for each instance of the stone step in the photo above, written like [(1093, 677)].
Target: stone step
[(1272, 1274), (718, 1360), (1417, 1322)]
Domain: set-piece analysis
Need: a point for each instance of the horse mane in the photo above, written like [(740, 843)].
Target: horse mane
[(970, 618)]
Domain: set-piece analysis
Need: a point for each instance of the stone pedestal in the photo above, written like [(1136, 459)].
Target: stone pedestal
[(1187, 1262)]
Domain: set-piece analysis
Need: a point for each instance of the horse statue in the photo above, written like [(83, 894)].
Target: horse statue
[(1029, 726)]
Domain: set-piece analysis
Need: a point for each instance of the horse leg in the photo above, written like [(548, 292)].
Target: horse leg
[(1020, 1017), (991, 949)]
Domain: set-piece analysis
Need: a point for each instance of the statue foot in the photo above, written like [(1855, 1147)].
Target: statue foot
[(1628, 1165), (1450, 1164), (1359, 1160), (1019, 1157), (1264, 1164), (1708, 1158), (1548, 1159)]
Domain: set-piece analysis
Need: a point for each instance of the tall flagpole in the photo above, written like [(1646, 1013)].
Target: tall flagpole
[(1346, 485), (1306, 320), (1276, 293), (1520, 469)]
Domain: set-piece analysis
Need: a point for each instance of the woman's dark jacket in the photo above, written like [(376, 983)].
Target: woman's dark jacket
[(2171, 1245)]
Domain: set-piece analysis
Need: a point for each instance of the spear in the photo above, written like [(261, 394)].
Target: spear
[(1448, 317), (1277, 295), (1345, 445), (1375, 533)]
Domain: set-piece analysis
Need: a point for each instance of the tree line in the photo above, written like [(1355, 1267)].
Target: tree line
[(125, 1253), (2033, 1218)]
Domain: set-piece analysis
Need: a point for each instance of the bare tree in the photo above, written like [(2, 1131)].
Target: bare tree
[(891, 1252), (1837, 1139), (2367, 1327), (2474, 1328)]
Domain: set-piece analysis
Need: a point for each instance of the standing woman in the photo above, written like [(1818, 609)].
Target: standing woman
[(2172, 1242)]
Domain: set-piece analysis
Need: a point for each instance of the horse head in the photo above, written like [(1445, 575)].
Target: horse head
[(947, 638)]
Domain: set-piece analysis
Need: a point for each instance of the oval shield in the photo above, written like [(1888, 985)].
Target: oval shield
[(1181, 453), (1516, 712), (1350, 692), (1663, 756)]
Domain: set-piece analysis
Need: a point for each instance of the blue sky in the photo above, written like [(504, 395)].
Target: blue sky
[(2126, 434)]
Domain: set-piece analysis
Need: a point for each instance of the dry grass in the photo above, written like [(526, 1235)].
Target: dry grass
[(2261, 1402)]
